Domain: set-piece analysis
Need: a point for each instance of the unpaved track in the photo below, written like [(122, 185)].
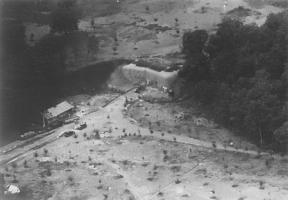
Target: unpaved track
[(117, 119), (114, 108), (120, 121), (130, 186), (20, 151)]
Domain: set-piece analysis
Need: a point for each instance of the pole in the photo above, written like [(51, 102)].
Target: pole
[(43, 120)]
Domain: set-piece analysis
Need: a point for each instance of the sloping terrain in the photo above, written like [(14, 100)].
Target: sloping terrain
[(133, 29), (145, 150), (154, 28), (130, 161)]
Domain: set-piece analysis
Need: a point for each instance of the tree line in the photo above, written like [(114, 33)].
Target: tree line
[(239, 74), (32, 75)]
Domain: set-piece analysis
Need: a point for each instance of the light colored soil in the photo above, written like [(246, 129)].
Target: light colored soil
[(135, 167), (129, 162), (163, 117)]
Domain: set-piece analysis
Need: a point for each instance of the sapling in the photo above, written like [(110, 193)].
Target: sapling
[(25, 164), (214, 144), (177, 181), (147, 8), (261, 185), (14, 179), (48, 172), (45, 152), (14, 165)]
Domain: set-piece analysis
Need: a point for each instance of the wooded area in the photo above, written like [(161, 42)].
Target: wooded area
[(239, 74)]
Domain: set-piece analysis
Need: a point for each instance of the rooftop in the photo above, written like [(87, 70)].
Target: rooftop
[(58, 109)]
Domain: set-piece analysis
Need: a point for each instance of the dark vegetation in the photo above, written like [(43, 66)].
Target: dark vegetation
[(239, 75), (65, 17), (34, 78), (45, 59)]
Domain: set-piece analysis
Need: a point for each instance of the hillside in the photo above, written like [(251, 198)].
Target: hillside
[(131, 142)]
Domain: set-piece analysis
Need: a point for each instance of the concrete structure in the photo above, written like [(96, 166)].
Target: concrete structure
[(160, 79)]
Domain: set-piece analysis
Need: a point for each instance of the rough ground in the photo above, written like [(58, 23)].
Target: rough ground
[(145, 152), (133, 29), (134, 161), (154, 28)]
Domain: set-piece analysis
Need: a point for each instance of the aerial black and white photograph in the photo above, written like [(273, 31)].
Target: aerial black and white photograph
[(144, 100)]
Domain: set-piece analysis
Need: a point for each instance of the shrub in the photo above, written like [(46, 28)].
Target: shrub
[(48, 172), (177, 181), (45, 152), (147, 8), (25, 164), (14, 165)]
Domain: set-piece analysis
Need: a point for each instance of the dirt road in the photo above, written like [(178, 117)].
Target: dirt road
[(200, 166)]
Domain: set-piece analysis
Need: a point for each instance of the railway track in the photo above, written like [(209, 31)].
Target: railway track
[(46, 139)]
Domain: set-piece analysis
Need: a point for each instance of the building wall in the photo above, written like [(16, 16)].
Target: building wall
[(59, 118)]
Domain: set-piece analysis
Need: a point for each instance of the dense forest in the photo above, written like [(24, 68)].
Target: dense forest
[(239, 75)]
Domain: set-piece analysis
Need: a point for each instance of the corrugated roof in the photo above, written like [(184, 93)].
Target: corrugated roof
[(58, 109)]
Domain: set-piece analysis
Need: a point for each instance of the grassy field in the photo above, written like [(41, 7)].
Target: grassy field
[(133, 29)]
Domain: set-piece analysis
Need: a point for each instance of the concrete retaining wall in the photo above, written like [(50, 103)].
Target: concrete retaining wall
[(137, 74)]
